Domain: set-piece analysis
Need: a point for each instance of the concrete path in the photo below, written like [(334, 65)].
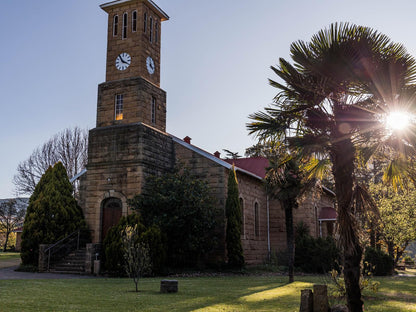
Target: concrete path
[(10, 274), (7, 272)]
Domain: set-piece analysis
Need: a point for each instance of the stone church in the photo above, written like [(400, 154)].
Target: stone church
[(130, 143)]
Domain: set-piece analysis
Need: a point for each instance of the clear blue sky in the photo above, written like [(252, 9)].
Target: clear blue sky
[(216, 58)]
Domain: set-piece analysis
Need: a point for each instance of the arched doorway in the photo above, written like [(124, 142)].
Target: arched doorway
[(112, 210)]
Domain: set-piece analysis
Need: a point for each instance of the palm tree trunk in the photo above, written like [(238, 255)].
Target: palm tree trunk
[(342, 154)]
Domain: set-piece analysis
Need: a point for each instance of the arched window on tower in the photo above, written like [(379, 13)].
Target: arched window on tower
[(115, 25), (134, 21), (151, 29), (124, 25), (145, 22), (153, 110), (119, 107), (156, 31), (256, 220)]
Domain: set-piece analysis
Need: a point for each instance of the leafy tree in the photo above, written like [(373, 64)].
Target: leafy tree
[(11, 214), (330, 104), (114, 255), (397, 224), (233, 230), (52, 214), (70, 147), (136, 255), (181, 205)]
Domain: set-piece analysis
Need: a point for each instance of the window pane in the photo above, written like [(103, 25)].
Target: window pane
[(144, 22), (242, 215), (151, 29), (124, 25), (156, 31), (256, 220), (134, 21), (115, 25), (153, 110), (119, 106)]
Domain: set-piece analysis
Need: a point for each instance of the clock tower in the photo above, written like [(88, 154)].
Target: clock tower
[(132, 91), (129, 142)]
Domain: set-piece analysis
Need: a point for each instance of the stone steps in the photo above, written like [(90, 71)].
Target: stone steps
[(74, 263)]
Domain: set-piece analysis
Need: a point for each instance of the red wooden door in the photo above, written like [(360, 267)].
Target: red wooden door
[(111, 215)]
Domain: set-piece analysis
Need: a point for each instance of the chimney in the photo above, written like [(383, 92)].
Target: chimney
[(187, 139), (217, 154)]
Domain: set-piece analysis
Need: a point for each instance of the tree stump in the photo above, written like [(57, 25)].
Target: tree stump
[(169, 286), (320, 298), (306, 300)]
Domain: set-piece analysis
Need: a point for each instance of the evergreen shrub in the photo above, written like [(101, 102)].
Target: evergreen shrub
[(377, 262), (52, 214), (315, 255)]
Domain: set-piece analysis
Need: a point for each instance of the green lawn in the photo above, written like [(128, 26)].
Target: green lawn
[(236, 293)]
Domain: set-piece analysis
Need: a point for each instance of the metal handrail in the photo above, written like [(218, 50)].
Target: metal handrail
[(53, 248)]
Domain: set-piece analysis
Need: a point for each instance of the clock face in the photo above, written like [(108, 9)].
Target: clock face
[(123, 61), (150, 64)]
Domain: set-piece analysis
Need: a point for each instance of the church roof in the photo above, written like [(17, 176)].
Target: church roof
[(161, 13), (256, 165), (214, 158)]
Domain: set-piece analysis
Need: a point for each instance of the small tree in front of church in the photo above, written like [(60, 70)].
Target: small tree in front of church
[(136, 254), (52, 214), (233, 215)]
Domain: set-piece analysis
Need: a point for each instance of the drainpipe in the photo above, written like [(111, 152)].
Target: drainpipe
[(268, 229)]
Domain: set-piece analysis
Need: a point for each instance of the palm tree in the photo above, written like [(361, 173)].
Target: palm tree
[(284, 182), (331, 104)]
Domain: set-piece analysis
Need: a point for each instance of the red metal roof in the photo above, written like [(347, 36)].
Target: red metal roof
[(327, 213), (256, 165)]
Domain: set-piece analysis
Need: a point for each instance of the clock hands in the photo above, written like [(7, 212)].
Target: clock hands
[(122, 60)]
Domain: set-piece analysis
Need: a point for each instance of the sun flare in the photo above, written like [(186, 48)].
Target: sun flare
[(397, 120)]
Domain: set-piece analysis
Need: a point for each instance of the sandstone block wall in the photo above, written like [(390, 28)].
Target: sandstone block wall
[(119, 159), (137, 100)]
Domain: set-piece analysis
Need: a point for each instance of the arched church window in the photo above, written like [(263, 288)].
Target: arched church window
[(242, 215), (256, 220), (134, 21), (124, 25), (115, 25), (145, 22)]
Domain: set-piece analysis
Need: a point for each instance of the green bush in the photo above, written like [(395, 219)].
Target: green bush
[(52, 214), (113, 246), (377, 262), (315, 255), (409, 260)]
